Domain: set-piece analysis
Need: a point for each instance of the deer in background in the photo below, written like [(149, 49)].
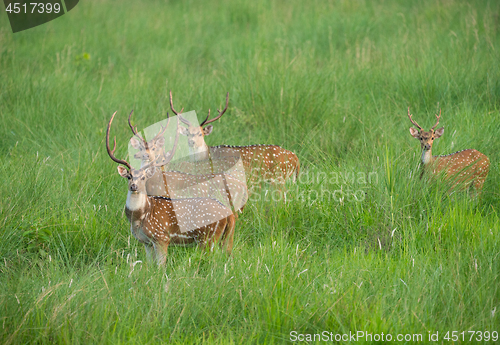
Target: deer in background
[(464, 167), (156, 221), (261, 162)]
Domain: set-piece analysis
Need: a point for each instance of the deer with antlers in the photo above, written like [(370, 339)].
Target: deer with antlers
[(261, 162), (226, 183), (463, 168), (158, 221)]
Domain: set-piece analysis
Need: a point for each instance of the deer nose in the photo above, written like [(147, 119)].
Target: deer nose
[(427, 147), (133, 187)]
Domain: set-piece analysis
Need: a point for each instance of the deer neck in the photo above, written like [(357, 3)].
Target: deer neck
[(427, 157), (137, 205)]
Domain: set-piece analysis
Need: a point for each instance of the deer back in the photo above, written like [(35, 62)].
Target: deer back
[(268, 162)]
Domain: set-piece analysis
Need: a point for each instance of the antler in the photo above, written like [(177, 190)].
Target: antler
[(416, 124), (111, 152), (176, 113), (207, 121), (167, 157), (172, 105), (134, 129), (163, 129), (437, 117)]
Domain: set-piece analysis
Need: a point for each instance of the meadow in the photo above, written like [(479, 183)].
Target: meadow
[(329, 80)]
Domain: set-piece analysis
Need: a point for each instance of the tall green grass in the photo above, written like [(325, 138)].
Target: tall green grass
[(330, 81)]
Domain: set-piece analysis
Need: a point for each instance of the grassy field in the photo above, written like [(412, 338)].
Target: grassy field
[(328, 80)]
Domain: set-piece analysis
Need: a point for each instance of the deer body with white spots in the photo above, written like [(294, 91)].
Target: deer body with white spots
[(462, 168), (261, 162), (264, 162), (159, 221)]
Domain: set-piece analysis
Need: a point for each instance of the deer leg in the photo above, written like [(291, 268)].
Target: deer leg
[(478, 186), (161, 251), (296, 173), (219, 232), (213, 233), (282, 188), (149, 252), (228, 235)]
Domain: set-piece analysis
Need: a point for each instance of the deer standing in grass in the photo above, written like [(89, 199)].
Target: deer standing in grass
[(156, 221), (261, 162), (198, 185), (463, 168)]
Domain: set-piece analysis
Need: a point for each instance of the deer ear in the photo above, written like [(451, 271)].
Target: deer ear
[(207, 130), (136, 144), (160, 141), (183, 131), (414, 133), (438, 132), (122, 171)]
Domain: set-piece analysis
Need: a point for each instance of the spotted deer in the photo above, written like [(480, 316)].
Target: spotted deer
[(463, 168), (200, 184), (158, 221), (261, 162)]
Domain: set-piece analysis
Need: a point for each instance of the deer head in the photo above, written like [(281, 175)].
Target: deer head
[(426, 138), (137, 178), (196, 134), (148, 151)]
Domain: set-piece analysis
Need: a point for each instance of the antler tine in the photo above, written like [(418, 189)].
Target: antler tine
[(163, 129), (207, 121), (172, 104), (111, 152), (416, 124), (437, 117)]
